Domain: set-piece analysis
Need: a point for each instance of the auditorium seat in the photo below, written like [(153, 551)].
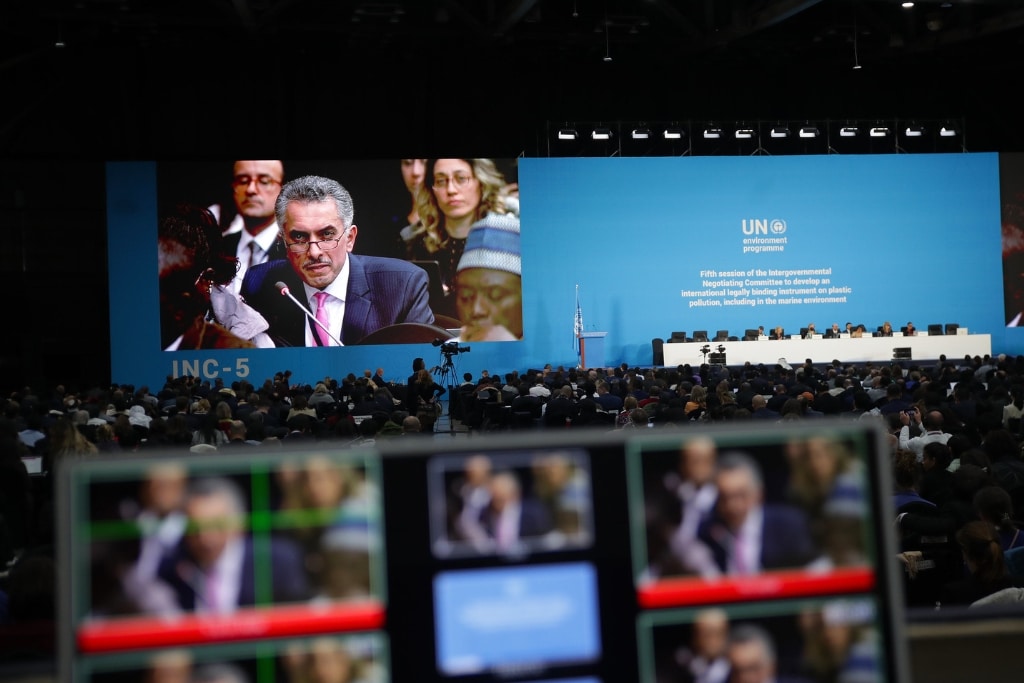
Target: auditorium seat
[(934, 330), (676, 337), (951, 328), (700, 335), (658, 349), (750, 335), (803, 333), (904, 330), (721, 335)]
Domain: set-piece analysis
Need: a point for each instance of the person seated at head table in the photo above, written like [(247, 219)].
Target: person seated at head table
[(777, 333), (809, 334), (833, 332), (858, 332), (886, 330)]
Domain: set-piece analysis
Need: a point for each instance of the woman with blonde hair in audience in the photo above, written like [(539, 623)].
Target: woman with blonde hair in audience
[(66, 440), (320, 395)]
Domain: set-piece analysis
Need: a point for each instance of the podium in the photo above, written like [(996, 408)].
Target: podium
[(592, 349)]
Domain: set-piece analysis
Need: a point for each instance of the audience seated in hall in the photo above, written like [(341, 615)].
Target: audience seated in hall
[(957, 436)]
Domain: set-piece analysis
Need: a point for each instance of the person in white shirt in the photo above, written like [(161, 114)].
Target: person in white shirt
[(931, 424)]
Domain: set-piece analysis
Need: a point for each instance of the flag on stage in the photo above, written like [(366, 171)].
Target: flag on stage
[(577, 327)]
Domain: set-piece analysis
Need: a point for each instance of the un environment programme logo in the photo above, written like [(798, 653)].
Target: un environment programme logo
[(764, 235)]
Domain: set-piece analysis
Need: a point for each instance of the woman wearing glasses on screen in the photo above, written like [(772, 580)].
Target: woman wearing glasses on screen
[(459, 192)]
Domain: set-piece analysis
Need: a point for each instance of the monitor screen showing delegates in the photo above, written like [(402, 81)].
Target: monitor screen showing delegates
[(563, 555)]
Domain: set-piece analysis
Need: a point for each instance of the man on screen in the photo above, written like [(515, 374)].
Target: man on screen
[(745, 535), (250, 229), (348, 294), (751, 655), (213, 569), (489, 283)]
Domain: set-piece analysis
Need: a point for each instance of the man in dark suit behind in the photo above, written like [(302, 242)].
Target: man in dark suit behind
[(213, 569), (351, 295), (744, 535), (509, 516), (248, 223)]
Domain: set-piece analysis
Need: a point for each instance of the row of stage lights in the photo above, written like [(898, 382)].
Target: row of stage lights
[(678, 139)]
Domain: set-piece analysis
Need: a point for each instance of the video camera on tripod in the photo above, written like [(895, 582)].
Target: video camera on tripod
[(450, 348)]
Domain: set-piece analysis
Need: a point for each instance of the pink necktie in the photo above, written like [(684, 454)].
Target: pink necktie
[(321, 317), (212, 586), (739, 557)]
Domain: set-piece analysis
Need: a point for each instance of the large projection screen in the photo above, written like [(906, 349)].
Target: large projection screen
[(650, 245)]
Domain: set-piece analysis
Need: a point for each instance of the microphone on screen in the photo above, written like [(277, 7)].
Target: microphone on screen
[(283, 288)]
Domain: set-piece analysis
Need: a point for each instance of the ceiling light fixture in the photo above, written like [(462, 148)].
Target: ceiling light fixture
[(712, 133), (673, 134), (947, 131), (856, 57), (879, 132), (567, 134), (601, 134), (780, 132), (914, 131), (809, 132), (607, 46), (744, 133), (641, 133), (849, 132)]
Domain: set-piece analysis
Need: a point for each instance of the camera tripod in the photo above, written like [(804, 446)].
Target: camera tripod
[(448, 378)]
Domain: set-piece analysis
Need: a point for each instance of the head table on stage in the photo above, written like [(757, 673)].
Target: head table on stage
[(846, 349)]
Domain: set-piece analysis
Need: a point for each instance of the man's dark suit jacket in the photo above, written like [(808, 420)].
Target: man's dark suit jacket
[(785, 539), (381, 292), (290, 584), (534, 520)]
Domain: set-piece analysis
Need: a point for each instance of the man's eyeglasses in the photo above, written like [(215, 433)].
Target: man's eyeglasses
[(264, 182), (303, 246), (441, 182)]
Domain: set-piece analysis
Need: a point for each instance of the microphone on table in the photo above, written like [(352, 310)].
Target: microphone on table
[(283, 288)]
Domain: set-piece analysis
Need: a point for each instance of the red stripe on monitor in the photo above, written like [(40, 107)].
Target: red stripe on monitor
[(682, 592), (293, 620)]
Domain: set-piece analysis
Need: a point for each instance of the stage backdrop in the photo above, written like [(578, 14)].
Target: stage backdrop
[(654, 245)]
